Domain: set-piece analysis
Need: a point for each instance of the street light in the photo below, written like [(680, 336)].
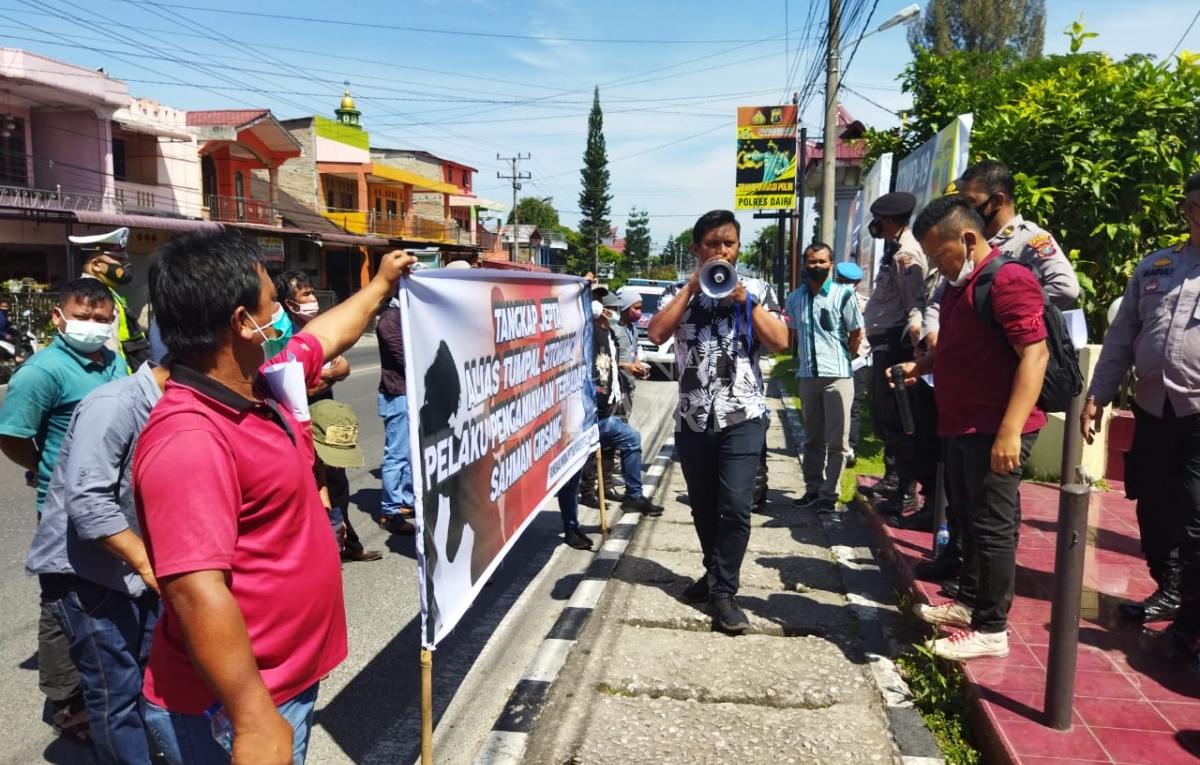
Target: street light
[(829, 154)]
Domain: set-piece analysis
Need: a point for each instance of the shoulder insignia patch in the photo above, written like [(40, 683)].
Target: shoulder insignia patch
[(905, 262), (1178, 248), (1151, 286), (1162, 262), (1043, 245)]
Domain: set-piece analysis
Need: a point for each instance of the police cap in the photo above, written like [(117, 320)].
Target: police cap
[(848, 271), (897, 203)]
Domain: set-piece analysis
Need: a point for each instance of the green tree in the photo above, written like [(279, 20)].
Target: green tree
[(670, 252), (1099, 148), (982, 26), (534, 211), (760, 253), (687, 258), (596, 194), (637, 240)]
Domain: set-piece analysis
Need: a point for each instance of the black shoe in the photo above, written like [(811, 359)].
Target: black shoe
[(922, 520), (885, 488), (612, 495), (1162, 606), (589, 500), (1181, 646), (727, 615), (577, 539), (898, 505), (696, 592), (810, 498), (851, 460), (642, 505), (951, 588), (397, 524), (361, 555), (825, 506), (939, 569)]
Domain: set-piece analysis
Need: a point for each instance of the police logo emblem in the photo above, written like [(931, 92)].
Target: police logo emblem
[(1043, 245), (1151, 286)]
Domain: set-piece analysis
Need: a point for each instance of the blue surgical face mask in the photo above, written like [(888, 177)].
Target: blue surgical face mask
[(273, 346)]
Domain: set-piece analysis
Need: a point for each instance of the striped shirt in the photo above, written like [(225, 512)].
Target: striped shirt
[(823, 325)]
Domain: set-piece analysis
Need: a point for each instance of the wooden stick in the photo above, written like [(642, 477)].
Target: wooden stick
[(600, 494), (426, 706)]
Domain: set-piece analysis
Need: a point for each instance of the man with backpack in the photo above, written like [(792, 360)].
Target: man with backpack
[(989, 377)]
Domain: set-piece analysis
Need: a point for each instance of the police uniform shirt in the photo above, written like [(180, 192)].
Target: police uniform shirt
[(899, 297), (1033, 246), (1157, 332)]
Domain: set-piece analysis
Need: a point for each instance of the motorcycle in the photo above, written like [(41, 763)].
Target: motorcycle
[(19, 345)]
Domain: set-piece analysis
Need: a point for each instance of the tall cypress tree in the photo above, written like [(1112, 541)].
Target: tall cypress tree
[(985, 26), (594, 199)]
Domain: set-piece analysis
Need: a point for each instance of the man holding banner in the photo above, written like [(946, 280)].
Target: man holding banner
[(253, 612), (722, 410)]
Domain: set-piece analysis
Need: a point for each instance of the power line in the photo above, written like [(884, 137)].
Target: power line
[(515, 177), (1183, 36)]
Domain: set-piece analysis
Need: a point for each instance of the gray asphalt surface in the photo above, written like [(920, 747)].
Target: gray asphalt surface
[(369, 708)]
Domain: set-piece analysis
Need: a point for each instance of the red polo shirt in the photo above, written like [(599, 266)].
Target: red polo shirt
[(974, 367), (223, 483)]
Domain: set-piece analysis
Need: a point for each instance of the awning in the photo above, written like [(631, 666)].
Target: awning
[(358, 241), (145, 221), (145, 129), (386, 174), (459, 200)]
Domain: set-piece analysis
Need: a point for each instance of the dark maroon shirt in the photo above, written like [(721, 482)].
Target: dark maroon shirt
[(391, 352), (974, 367)]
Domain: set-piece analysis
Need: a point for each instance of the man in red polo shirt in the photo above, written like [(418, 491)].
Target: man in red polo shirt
[(233, 524), (987, 384)]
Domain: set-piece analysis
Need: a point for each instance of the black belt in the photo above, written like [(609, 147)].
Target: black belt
[(64, 581)]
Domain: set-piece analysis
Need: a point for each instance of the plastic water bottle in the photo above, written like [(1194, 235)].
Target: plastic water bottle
[(941, 540), (222, 728)]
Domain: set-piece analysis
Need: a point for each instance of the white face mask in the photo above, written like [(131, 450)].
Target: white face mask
[(86, 336), (308, 310), (967, 267)]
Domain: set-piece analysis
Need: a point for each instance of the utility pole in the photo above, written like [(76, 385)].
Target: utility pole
[(515, 177), (829, 155)]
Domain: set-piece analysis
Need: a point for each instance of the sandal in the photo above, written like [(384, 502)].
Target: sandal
[(71, 722)]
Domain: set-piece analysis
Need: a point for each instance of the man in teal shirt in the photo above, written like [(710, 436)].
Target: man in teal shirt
[(42, 396), (828, 326)]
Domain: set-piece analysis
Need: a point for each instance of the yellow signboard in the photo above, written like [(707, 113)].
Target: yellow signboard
[(766, 158)]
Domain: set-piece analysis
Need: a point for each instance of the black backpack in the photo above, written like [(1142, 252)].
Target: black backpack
[(1064, 380)]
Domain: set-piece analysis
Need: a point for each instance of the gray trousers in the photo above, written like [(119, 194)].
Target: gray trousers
[(825, 406)]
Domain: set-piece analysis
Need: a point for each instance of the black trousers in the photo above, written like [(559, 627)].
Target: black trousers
[(339, 496), (1175, 478), (899, 454), (719, 467), (862, 381), (989, 504)]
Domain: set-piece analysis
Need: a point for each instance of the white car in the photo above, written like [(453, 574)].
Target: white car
[(661, 358)]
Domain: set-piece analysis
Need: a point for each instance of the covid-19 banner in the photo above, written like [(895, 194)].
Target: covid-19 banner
[(501, 412), (766, 158), (929, 170)]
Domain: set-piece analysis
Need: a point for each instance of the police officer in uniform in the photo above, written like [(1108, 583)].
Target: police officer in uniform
[(1157, 334), (104, 258), (892, 320), (989, 188)]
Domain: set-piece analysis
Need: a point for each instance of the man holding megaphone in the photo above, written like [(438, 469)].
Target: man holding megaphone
[(720, 322)]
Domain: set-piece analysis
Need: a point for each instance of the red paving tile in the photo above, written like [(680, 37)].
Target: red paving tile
[(1128, 702)]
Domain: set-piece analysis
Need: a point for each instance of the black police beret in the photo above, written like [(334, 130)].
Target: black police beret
[(896, 203)]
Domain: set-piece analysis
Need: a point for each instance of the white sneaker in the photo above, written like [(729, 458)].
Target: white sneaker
[(970, 644), (951, 613)]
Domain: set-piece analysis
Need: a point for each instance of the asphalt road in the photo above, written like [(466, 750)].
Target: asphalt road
[(368, 711)]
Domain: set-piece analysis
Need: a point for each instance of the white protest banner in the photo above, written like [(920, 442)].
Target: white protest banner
[(928, 171), (501, 412), (869, 250)]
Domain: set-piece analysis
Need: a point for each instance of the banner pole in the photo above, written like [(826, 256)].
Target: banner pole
[(426, 706), (600, 493)]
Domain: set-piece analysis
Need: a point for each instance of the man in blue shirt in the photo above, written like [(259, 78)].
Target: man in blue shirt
[(828, 326), (96, 574), (34, 419)]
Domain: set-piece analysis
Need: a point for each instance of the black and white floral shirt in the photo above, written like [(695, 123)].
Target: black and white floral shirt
[(718, 374)]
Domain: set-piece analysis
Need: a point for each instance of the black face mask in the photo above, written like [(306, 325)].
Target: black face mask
[(115, 275), (987, 217), (875, 229), (817, 273)]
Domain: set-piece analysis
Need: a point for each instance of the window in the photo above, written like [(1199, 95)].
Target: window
[(466, 179), (391, 208), (239, 191), (13, 167), (118, 151), (329, 199)]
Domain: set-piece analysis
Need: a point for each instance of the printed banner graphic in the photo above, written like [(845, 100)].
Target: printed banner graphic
[(862, 248), (766, 158), (501, 413), (928, 171)]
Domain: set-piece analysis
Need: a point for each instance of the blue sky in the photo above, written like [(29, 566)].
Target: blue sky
[(470, 79)]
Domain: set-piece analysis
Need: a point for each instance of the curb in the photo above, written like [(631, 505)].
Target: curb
[(867, 590), (506, 743)]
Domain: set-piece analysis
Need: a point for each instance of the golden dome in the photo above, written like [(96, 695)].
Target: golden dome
[(347, 101)]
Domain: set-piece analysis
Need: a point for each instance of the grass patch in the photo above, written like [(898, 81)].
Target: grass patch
[(870, 448), (939, 694)]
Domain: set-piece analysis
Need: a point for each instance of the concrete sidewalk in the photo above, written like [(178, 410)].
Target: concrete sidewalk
[(648, 681)]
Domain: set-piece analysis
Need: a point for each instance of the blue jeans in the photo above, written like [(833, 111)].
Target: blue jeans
[(109, 635), (618, 434), (568, 501), (188, 739), (397, 470)]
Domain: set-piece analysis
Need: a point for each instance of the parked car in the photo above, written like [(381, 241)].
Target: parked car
[(661, 358)]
